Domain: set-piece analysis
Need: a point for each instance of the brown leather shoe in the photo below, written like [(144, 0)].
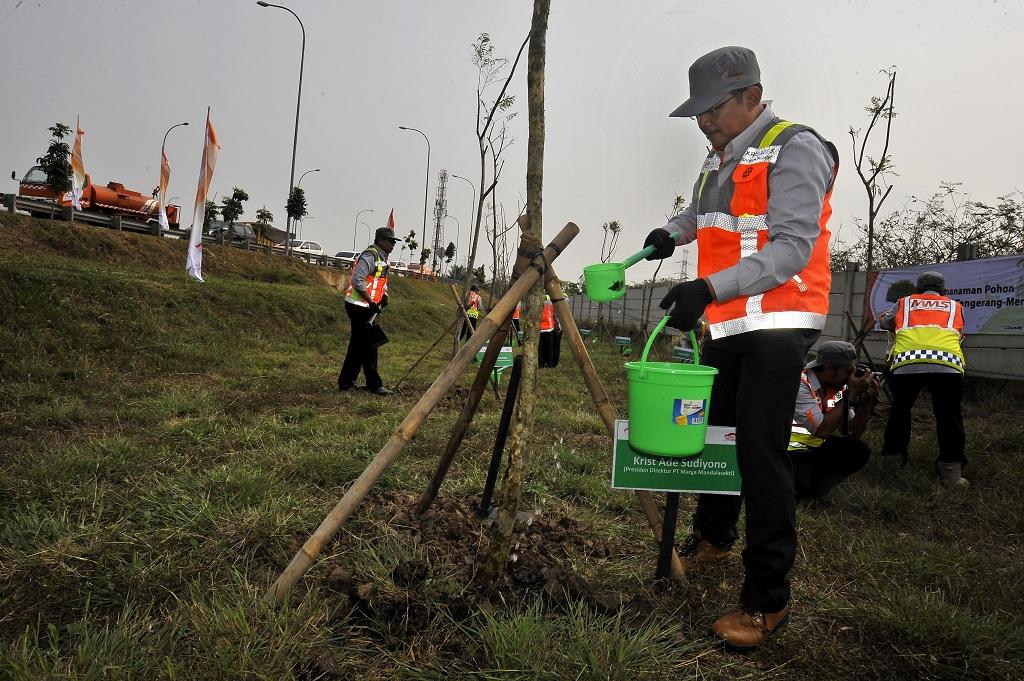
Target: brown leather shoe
[(744, 630), (697, 554)]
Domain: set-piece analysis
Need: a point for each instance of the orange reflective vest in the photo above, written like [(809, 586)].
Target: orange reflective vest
[(376, 280), (732, 223), (473, 302), (519, 307), (547, 316), (928, 331)]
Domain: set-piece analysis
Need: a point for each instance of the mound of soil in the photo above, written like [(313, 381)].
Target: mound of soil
[(544, 549)]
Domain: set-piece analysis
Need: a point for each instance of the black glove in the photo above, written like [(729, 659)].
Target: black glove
[(663, 243), (384, 302), (690, 299), (374, 308)]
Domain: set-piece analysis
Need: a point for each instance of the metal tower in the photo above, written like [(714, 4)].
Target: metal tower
[(440, 210)]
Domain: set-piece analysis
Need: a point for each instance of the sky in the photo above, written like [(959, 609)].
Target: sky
[(131, 69)]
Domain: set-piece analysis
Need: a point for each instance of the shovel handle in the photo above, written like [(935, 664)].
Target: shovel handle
[(637, 257)]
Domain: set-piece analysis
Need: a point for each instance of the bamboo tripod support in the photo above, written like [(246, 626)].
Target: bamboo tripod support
[(347, 505), (597, 392), (600, 397), (476, 393)]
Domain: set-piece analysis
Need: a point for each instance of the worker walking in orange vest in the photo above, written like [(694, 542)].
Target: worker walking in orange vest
[(926, 355), (759, 213), (474, 306), (366, 297), (550, 336)]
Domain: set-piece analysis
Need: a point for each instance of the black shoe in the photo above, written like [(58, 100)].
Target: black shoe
[(379, 390), (345, 387)]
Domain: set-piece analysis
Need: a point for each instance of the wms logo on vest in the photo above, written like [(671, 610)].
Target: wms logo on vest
[(937, 305), (689, 412)]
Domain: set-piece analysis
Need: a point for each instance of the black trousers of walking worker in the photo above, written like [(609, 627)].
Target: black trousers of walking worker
[(468, 328), (755, 391), (818, 471), (947, 390), (361, 353)]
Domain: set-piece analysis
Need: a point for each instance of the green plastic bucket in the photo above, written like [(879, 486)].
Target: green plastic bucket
[(605, 281), (669, 403)]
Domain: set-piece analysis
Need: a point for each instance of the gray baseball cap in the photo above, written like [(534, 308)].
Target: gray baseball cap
[(931, 281), (715, 75), (386, 233), (837, 353)]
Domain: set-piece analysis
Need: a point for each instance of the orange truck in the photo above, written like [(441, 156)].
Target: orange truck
[(113, 199)]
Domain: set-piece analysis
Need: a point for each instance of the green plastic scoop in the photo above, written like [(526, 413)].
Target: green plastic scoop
[(606, 281)]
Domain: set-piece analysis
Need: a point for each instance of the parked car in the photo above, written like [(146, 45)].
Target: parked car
[(416, 268), (237, 233), (346, 258), (300, 246), (399, 267)]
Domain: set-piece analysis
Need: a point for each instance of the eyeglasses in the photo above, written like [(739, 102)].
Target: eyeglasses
[(716, 109)]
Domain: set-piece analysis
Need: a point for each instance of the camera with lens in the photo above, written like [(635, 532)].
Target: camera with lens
[(865, 369)]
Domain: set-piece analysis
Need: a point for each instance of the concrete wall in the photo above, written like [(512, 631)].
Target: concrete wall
[(988, 355)]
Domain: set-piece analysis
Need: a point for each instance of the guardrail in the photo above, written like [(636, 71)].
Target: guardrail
[(44, 207)]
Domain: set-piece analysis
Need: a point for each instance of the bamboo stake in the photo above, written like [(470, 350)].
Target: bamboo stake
[(427, 352), (476, 393), (302, 560), (600, 397), (458, 305)]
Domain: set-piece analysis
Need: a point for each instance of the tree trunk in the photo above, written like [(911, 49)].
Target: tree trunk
[(510, 496)]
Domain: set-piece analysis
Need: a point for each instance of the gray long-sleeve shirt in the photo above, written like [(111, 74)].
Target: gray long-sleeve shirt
[(366, 263), (796, 189)]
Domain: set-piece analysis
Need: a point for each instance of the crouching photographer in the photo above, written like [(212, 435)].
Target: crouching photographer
[(833, 408)]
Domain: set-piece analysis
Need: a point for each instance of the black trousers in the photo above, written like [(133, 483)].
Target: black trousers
[(819, 471), (549, 349), (947, 391), (361, 354), (755, 391), (468, 328)]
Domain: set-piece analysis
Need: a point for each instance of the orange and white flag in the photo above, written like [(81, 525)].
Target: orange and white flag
[(77, 169), (165, 178), (194, 261), (391, 220)]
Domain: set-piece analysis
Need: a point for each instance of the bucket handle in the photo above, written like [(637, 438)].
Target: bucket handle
[(650, 342)]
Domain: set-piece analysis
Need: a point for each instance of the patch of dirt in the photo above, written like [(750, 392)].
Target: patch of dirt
[(451, 531)]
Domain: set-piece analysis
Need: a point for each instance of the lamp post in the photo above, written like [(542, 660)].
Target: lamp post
[(368, 228), (298, 101), (472, 206), (299, 183), (426, 186), (163, 155), (355, 225)]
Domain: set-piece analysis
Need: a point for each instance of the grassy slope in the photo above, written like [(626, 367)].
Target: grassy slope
[(166, 445)]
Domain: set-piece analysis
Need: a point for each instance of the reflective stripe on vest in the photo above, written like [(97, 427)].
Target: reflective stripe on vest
[(376, 281), (473, 301), (732, 223), (547, 317), (801, 439), (928, 332)]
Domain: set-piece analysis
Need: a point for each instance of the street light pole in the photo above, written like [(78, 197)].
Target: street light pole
[(426, 187), (472, 206), (163, 155), (298, 102), (299, 183), (355, 225)]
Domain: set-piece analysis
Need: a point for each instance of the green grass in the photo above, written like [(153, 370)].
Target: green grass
[(166, 446)]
